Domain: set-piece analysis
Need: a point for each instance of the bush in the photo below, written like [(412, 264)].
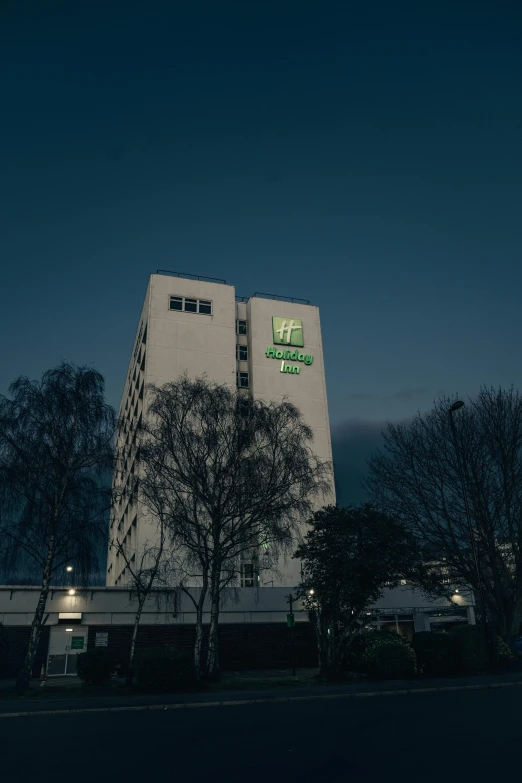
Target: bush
[(390, 658), (4, 650), (353, 659), (503, 651), (470, 649), (381, 654), (164, 669), (96, 665), (435, 653)]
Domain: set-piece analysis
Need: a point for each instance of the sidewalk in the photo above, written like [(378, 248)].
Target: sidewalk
[(115, 701)]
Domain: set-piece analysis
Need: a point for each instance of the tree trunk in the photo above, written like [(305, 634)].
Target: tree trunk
[(516, 620), (212, 668), (130, 670), (198, 644), (25, 673), (321, 629)]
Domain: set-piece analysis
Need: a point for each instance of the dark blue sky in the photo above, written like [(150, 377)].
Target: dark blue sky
[(367, 156)]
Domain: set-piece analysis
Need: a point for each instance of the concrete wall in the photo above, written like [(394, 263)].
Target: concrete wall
[(189, 342), (306, 390), (110, 605)]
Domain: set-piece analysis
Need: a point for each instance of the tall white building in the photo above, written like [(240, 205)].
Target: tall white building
[(269, 345)]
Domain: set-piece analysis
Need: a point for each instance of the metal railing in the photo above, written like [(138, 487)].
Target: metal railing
[(278, 298), (203, 278)]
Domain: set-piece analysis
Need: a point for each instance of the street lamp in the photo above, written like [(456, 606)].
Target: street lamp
[(455, 407)]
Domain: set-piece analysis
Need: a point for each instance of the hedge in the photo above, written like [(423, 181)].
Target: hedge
[(4, 650), (435, 653), (95, 666), (381, 654), (164, 669)]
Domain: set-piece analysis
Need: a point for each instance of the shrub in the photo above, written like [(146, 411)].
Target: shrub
[(4, 650), (435, 653), (96, 665), (503, 651), (390, 658), (353, 659), (470, 649), (381, 654), (164, 669)]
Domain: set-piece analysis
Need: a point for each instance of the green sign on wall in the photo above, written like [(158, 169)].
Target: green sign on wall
[(77, 642), (287, 331)]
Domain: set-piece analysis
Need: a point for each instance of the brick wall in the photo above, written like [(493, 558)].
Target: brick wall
[(18, 641), (242, 646)]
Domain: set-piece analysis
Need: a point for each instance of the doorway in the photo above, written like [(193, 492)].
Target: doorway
[(65, 644)]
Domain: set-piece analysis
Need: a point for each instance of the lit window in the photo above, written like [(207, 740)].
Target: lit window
[(247, 574), (242, 380), (242, 353), (241, 327)]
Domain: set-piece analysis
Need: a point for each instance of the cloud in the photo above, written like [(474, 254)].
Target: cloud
[(409, 394), (353, 443), (402, 394)]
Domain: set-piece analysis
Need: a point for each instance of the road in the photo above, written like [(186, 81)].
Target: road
[(467, 735)]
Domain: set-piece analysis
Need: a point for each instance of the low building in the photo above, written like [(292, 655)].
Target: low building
[(253, 624)]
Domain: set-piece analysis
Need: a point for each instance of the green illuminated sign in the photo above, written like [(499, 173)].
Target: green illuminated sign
[(287, 331), (294, 356), (77, 643)]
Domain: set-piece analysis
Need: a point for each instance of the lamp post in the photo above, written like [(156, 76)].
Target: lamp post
[(291, 623), (455, 407)]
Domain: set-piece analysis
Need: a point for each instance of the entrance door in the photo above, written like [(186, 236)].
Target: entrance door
[(64, 645)]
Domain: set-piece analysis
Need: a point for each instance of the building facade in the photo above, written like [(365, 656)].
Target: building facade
[(269, 347), (253, 628)]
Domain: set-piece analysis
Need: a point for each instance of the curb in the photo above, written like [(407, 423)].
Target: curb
[(239, 702)]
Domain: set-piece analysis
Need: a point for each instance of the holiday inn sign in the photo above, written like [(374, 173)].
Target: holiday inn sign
[(288, 331)]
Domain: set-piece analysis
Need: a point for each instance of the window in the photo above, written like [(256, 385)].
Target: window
[(241, 327), (242, 353), (242, 380), (247, 574), (205, 307), (187, 305)]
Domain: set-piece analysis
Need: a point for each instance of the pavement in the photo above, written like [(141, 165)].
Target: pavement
[(451, 736), (112, 701)]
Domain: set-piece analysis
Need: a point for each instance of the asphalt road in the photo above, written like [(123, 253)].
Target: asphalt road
[(466, 735)]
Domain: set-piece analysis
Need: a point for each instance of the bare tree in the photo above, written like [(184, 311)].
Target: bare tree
[(230, 477), (426, 474), (55, 448), (143, 573)]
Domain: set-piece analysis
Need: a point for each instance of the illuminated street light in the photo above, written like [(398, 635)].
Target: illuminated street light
[(69, 569), (72, 592)]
